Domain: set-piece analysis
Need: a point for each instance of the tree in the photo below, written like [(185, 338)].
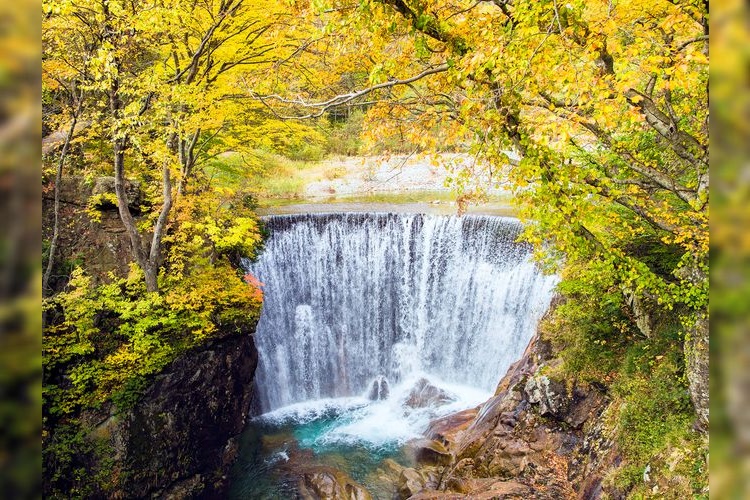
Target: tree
[(159, 74)]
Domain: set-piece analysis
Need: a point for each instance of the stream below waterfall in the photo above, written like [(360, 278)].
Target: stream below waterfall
[(373, 325)]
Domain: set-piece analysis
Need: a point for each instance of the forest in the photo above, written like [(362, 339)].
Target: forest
[(170, 124)]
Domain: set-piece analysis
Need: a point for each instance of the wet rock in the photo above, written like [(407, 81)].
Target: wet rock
[(479, 431), (424, 394), (379, 389), (430, 452), (410, 483), (328, 483), (392, 467), (448, 429)]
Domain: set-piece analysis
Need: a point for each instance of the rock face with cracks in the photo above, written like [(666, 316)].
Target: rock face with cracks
[(536, 438), (181, 438)]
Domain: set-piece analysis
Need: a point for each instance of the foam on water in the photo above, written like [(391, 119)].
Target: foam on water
[(358, 421)]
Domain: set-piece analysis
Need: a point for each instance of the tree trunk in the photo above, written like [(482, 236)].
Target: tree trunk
[(151, 274), (136, 244), (58, 180), (696, 365), (154, 255), (149, 263), (187, 159)]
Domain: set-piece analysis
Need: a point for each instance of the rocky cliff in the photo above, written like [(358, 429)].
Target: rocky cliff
[(180, 439), (542, 437), (536, 438)]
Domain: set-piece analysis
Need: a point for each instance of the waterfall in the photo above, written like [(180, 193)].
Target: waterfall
[(352, 298)]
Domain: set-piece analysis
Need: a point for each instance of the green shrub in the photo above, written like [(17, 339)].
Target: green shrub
[(650, 416)]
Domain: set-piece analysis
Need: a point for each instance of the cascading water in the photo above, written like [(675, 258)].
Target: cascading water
[(372, 325), (350, 297)]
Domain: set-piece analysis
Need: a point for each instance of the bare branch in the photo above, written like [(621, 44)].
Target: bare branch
[(339, 100)]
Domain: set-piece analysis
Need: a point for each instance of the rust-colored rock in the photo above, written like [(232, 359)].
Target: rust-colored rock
[(328, 483), (410, 483), (535, 438), (448, 429), (430, 452)]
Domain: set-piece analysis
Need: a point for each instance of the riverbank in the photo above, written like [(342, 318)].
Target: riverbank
[(434, 207), (395, 183)]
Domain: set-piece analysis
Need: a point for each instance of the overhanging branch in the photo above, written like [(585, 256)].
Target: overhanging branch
[(339, 100)]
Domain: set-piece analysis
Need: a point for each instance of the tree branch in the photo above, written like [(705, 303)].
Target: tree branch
[(339, 100)]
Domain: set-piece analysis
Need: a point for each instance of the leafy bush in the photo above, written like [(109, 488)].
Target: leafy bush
[(98, 202), (108, 340)]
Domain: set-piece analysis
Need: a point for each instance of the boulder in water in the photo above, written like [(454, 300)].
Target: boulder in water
[(328, 483), (424, 394), (379, 389)]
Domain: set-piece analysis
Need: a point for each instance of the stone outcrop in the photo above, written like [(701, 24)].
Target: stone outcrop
[(181, 438), (105, 185), (424, 394), (100, 246), (536, 438)]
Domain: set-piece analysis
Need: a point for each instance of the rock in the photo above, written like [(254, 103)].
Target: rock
[(482, 489), (500, 489), (101, 246), (437, 495), (184, 428), (410, 483), (448, 429), (379, 389), (133, 192), (550, 395), (328, 483), (431, 452), (510, 459), (586, 403), (424, 394), (554, 401), (392, 467)]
